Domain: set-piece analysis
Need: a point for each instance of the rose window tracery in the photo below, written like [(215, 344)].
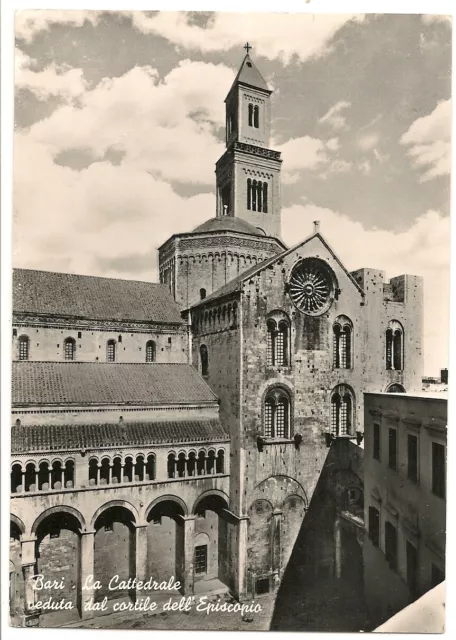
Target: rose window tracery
[(311, 286)]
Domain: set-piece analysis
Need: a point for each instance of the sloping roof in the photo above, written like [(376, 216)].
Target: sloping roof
[(94, 383), (67, 294), (249, 75), (236, 283), (51, 437), (228, 223)]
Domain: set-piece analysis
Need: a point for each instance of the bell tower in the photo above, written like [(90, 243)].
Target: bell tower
[(248, 173)]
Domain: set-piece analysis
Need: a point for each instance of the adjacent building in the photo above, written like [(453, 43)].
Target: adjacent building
[(405, 490)]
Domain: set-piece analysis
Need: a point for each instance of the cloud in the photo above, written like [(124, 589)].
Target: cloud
[(364, 167), (429, 142), (167, 127), (423, 249), (301, 154), (30, 22), (333, 144), (334, 118), (309, 154), (368, 141), (58, 81), (103, 220), (277, 35)]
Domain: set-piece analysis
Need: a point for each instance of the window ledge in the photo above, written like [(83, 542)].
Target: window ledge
[(278, 440)]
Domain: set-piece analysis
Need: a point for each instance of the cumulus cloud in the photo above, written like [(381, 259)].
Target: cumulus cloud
[(368, 141), (429, 142), (103, 220), (334, 118), (423, 250), (309, 154), (30, 22), (164, 126), (277, 35), (62, 81)]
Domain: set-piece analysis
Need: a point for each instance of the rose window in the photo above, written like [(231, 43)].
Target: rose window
[(311, 286)]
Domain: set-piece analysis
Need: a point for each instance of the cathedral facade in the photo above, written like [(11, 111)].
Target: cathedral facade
[(180, 428)]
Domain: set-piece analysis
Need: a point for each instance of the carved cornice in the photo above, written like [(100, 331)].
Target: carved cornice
[(132, 326), (257, 151), (229, 239)]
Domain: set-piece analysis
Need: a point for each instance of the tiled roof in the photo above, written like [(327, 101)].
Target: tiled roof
[(51, 437), (66, 294), (228, 223), (93, 383)]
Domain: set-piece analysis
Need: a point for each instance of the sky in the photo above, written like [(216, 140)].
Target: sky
[(119, 120)]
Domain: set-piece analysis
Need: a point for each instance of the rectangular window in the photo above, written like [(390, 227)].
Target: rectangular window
[(335, 418), (280, 421), (169, 340), (79, 334), (376, 443), (269, 353), (412, 458), (279, 349), (437, 575), (14, 333), (412, 567), (374, 526), (438, 469), (120, 339), (392, 449), (391, 545), (201, 559)]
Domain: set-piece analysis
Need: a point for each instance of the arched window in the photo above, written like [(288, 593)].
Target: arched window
[(151, 351), (171, 465), (276, 414), (254, 195), (249, 193), (342, 410), (395, 388), (150, 467), (256, 116), (202, 293), (250, 115), (111, 351), (69, 349), (277, 341), (259, 196), (24, 348), (342, 343), (265, 197), (220, 462), (394, 346), (204, 360)]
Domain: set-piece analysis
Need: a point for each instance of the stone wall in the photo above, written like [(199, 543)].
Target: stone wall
[(47, 343)]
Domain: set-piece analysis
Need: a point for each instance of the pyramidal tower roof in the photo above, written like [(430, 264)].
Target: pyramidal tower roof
[(249, 75)]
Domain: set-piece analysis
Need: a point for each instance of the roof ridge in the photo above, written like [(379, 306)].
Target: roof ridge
[(83, 275), (235, 282)]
